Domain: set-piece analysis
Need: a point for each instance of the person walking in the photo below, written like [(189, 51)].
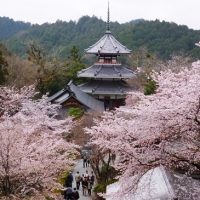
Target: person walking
[(84, 161), (92, 178), (69, 180), (88, 161), (86, 175), (84, 186), (78, 180), (89, 186)]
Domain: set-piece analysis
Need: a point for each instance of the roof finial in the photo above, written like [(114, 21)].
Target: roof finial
[(108, 20)]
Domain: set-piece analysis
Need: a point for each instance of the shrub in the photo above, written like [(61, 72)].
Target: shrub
[(101, 187), (150, 87), (75, 112)]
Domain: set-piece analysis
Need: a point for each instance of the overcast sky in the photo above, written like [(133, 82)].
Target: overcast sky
[(185, 12)]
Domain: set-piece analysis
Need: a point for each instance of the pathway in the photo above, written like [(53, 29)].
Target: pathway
[(79, 167)]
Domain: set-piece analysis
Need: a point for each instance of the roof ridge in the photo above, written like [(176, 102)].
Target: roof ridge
[(119, 43), (96, 43), (117, 70), (98, 70), (115, 47)]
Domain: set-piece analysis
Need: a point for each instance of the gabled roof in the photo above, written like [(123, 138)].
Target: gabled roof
[(105, 87), (73, 91), (107, 71), (108, 45)]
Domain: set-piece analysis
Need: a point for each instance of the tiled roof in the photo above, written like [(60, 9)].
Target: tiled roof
[(105, 87), (73, 91), (108, 45), (106, 71)]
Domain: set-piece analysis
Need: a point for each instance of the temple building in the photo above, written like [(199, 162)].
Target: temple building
[(107, 77), (106, 87), (72, 96)]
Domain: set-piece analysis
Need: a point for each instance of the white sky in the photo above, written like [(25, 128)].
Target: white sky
[(185, 12)]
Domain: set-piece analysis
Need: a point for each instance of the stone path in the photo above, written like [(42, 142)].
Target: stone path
[(79, 167)]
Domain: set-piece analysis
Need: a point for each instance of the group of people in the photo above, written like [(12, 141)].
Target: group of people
[(85, 180)]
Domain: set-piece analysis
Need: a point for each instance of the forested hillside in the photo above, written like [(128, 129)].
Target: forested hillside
[(161, 38), (9, 27)]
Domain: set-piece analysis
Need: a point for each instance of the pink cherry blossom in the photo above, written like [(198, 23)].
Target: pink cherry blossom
[(32, 149), (159, 129)]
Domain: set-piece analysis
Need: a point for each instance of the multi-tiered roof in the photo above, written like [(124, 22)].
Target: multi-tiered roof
[(107, 78), (107, 75)]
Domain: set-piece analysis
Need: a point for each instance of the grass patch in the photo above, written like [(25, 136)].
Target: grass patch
[(75, 112)]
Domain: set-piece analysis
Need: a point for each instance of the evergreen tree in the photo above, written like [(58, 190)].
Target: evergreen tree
[(3, 68), (53, 75)]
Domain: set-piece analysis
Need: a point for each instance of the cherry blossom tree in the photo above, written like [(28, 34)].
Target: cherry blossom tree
[(160, 129), (32, 149)]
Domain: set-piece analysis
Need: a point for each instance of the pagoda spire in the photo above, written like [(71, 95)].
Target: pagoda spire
[(108, 19)]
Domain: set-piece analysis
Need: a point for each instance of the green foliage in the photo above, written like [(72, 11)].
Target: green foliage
[(57, 191), (75, 112), (75, 55), (150, 87), (142, 58), (107, 176), (3, 68), (62, 177), (164, 38), (101, 187), (74, 65), (53, 75), (9, 27), (160, 37)]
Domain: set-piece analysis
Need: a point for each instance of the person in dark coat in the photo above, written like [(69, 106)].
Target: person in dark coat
[(69, 180), (68, 194), (84, 186), (92, 178), (75, 194), (88, 162), (89, 186), (84, 161)]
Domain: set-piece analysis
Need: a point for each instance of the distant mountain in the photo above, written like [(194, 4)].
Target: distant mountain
[(136, 21), (160, 37), (9, 27)]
